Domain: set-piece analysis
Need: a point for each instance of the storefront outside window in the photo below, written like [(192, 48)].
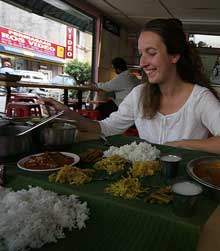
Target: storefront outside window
[(36, 43)]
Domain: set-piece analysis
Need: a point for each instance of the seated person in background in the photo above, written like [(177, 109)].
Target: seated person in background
[(7, 68), (176, 106), (120, 86)]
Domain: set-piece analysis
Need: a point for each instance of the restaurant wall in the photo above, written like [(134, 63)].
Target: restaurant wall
[(113, 46)]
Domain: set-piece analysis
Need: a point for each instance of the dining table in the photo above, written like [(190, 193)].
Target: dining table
[(65, 88), (119, 224)]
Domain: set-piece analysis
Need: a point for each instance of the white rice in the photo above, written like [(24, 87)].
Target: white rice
[(134, 152), (30, 218)]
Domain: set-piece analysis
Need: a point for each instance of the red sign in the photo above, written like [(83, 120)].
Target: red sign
[(27, 42), (69, 42)]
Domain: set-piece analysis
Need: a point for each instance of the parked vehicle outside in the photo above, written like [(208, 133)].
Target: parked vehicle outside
[(63, 79), (35, 77), (32, 76)]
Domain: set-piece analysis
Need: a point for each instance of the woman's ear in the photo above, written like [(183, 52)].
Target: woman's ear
[(175, 58)]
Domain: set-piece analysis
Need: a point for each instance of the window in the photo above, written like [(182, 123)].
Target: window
[(203, 40)]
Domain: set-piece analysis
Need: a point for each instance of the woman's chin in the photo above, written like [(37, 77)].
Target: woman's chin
[(152, 81)]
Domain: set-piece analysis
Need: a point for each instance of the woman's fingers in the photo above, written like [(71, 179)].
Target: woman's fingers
[(52, 106)]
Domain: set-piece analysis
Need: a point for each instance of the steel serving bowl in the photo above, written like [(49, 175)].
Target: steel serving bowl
[(12, 145), (4, 122), (57, 135), (212, 188)]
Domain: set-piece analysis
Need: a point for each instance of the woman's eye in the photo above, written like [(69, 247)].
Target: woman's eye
[(152, 53)]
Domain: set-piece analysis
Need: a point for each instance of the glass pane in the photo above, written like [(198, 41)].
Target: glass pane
[(210, 41), (45, 38)]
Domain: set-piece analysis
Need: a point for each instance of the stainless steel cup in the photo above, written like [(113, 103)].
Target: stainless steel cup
[(169, 166), (185, 197)]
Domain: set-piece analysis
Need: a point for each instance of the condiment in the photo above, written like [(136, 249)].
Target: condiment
[(170, 158), (186, 188)]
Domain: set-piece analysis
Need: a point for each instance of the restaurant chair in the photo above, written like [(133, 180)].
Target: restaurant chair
[(23, 97), (23, 109)]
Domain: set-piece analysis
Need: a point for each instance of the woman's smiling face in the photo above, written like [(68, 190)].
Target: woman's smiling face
[(155, 61)]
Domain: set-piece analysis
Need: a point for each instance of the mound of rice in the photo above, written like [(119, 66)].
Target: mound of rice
[(30, 218), (134, 152)]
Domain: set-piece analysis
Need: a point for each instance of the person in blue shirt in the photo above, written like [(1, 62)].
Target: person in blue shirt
[(7, 68)]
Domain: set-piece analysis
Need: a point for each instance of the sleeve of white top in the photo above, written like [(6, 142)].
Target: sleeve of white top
[(209, 110), (122, 119), (116, 84)]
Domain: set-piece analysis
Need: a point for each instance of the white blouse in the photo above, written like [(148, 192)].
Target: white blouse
[(194, 120)]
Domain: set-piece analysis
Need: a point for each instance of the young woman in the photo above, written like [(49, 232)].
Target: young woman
[(176, 106)]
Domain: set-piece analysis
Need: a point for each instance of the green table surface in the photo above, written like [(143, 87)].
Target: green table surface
[(117, 224)]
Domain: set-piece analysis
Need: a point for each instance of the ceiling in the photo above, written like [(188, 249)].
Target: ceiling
[(197, 15)]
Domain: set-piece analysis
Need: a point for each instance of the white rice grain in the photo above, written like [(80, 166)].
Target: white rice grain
[(134, 152), (30, 218)]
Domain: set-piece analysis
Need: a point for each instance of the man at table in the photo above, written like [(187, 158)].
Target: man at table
[(120, 86)]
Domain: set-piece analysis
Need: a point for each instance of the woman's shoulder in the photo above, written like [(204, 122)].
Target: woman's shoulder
[(135, 93), (200, 91), (202, 95), (138, 88)]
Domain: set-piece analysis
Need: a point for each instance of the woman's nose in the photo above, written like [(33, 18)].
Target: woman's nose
[(143, 61)]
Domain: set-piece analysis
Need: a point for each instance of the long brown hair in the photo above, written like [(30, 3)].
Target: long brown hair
[(189, 66)]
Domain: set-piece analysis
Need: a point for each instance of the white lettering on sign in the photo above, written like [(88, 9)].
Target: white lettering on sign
[(69, 54), (42, 46), (28, 42), (13, 38), (69, 42), (20, 35)]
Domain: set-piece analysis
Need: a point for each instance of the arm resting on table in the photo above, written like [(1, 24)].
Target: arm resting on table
[(211, 144)]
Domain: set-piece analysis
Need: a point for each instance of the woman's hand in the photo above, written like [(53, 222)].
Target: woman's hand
[(83, 124), (52, 106)]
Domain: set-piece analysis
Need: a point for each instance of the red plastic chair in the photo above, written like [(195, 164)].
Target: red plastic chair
[(23, 109), (22, 97)]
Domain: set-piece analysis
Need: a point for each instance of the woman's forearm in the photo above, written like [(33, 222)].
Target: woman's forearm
[(82, 123), (211, 144)]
